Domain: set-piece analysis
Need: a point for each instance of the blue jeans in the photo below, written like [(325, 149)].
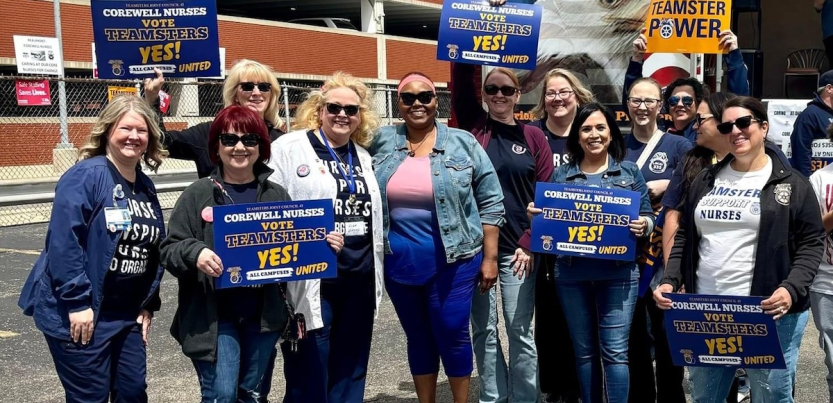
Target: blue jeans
[(518, 383), (599, 315), (243, 353), (111, 367), (711, 385)]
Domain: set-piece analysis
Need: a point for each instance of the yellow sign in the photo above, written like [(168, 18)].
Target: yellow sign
[(116, 91), (687, 26)]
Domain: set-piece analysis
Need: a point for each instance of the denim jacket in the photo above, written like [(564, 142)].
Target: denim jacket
[(621, 175), (467, 194)]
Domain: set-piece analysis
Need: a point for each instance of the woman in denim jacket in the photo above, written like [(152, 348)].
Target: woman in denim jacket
[(442, 207), (601, 294)]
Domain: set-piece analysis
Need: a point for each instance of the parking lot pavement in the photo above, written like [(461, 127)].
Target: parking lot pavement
[(28, 375)]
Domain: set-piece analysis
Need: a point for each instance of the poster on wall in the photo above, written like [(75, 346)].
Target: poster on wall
[(32, 92), (38, 55)]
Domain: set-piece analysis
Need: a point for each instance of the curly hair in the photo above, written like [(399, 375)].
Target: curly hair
[(259, 72), (583, 95), (307, 116), (96, 143)]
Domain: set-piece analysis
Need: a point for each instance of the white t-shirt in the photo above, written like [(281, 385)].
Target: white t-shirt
[(727, 219), (822, 181)]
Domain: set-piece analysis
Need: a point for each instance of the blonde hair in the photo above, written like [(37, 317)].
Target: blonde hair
[(96, 143), (583, 95), (254, 71), (307, 116)]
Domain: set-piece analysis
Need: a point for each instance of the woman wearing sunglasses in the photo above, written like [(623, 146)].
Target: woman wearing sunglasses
[(521, 158), (771, 214), (684, 94), (326, 159), (442, 213), (656, 154), (600, 294), (248, 83), (229, 333)]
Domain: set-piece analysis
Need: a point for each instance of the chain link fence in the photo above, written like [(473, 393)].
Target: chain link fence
[(34, 153)]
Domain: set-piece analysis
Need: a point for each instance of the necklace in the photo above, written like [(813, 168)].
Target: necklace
[(413, 150)]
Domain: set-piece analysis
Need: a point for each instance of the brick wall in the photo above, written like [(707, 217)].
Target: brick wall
[(404, 57), (34, 18)]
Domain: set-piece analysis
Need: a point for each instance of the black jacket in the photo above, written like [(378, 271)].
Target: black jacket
[(192, 143), (790, 237), (195, 322)]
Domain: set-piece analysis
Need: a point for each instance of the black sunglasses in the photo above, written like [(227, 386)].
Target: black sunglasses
[(674, 100), (506, 90), (700, 119), (249, 87), (349, 110), (424, 97), (741, 123), (231, 139)]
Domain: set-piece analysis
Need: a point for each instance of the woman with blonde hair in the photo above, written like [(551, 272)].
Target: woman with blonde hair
[(95, 286), (520, 156), (249, 83), (562, 95), (325, 158)]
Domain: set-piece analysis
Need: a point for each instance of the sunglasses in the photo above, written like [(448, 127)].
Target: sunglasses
[(506, 90), (741, 123), (424, 97), (674, 100), (349, 110), (231, 139), (249, 87), (700, 119)]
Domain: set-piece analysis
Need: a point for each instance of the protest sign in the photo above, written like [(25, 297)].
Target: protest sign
[(684, 26), (782, 114), (473, 32), (38, 55), (113, 91), (32, 93), (177, 37), (585, 221), (714, 330), (275, 241)]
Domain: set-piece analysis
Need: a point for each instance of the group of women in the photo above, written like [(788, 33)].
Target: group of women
[(440, 218)]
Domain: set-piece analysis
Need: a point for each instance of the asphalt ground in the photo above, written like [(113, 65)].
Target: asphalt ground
[(27, 373)]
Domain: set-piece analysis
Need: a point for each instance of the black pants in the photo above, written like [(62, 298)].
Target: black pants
[(667, 387), (556, 360)]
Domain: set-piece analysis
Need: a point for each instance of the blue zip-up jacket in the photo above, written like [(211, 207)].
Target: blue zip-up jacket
[(467, 193), (69, 274), (810, 125), (737, 82)]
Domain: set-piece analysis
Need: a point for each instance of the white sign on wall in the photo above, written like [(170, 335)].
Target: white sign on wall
[(38, 55), (782, 114)]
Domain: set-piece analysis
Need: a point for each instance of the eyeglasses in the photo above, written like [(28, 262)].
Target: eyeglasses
[(649, 102), (349, 110), (563, 94), (741, 123), (424, 97), (506, 90), (674, 100), (700, 119), (231, 139), (249, 87)]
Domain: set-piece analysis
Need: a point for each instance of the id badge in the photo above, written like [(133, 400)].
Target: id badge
[(355, 226), (118, 219)]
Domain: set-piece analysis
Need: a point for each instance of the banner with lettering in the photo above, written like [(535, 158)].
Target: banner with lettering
[(177, 37), (114, 91), (585, 221), (683, 26), (473, 32), (275, 241), (723, 331), (32, 93)]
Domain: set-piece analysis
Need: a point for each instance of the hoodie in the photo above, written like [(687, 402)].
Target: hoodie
[(810, 125)]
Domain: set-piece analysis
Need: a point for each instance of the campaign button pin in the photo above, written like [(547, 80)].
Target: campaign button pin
[(303, 170), (208, 214)]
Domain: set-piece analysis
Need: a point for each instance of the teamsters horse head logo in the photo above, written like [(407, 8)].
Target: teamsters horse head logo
[(452, 51), (547, 242), (235, 276), (666, 28), (688, 356), (783, 191), (118, 67)]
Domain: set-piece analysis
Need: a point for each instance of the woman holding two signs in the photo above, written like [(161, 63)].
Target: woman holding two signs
[(601, 294), (228, 333), (774, 249)]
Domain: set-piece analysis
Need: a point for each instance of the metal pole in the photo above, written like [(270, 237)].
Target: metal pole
[(718, 72), (62, 89), (388, 92), (286, 104)]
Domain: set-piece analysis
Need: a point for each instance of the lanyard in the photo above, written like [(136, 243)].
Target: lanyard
[(348, 176)]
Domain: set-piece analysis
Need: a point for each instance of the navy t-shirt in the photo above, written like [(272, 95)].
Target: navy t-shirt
[(515, 167), (134, 264), (352, 219), (241, 303), (558, 144), (668, 152)]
